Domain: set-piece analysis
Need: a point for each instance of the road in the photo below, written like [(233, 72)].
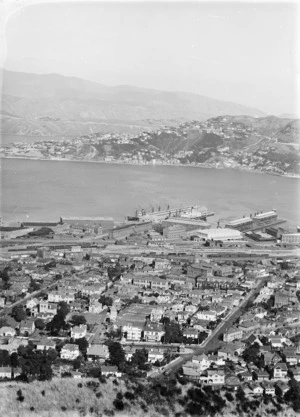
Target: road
[(33, 294), (212, 342)]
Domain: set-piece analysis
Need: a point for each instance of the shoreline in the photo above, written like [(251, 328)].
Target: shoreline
[(296, 176)]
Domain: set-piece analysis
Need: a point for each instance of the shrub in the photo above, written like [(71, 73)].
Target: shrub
[(43, 393), (79, 385), (77, 400), (102, 379), (99, 394), (115, 382), (20, 396), (229, 396), (32, 408), (129, 395), (91, 410), (119, 405), (120, 396), (63, 408), (108, 412)]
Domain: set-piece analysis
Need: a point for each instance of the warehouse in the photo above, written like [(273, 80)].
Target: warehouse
[(219, 234)]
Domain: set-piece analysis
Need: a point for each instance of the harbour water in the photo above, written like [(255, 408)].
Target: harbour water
[(46, 190)]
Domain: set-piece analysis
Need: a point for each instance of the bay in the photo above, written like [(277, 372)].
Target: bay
[(45, 190)]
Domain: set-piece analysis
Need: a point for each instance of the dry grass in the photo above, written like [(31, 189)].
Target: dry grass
[(77, 401), (66, 398)]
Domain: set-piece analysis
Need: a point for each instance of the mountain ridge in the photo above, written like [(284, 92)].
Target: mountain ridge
[(28, 97)]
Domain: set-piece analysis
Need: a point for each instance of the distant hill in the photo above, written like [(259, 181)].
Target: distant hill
[(51, 104)]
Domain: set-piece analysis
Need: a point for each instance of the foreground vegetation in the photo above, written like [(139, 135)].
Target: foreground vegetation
[(132, 397)]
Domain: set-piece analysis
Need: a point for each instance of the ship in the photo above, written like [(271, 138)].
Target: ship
[(188, 212)]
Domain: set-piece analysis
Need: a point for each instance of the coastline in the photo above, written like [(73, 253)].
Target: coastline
[(252, 171)]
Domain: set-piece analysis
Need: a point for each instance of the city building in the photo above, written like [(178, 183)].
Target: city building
[(291, 239), (106, 223)]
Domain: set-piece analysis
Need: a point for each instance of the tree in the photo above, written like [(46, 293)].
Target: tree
[(5, 278), (18, 313), (83, 344), (4, 358), (106, 301), (52, 354), (14, 360), (40, 324), (33, 286), (36, 363), (173, 333), (116, 353), (76, 363), (251, 353), (57, 323), (63, 309), (78, 319), (139, 359)]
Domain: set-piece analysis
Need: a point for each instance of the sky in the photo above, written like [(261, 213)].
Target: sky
[(240, 52)]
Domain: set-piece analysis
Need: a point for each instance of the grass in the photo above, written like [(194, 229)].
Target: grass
[(89, 397)]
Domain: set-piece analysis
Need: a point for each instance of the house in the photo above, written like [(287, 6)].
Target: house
[(69, 351), (190, 333), (27, 327), (296, 373), (202, 361), (209, 315), (97, 352), (281, 387), (32, 303), (271, 358), (182, 316), (5, 372), (226, 352), (217, 360), (45, 344), (133, 331), (143, 282), (232, 381), (261, 375), (96, 307), (233, 334), (276, 342), (280, 371), (57, 296), (77, 332), (48, 307), (110, 370), (213, 377), (157, 313), (2, 302), (155, 355), (290, 356), (256, 388), (246, 376), (191, 371), (153, 332), (16, 372), (269, 388), (7, 331)]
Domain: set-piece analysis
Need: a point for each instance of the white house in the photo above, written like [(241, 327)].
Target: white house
[(70, 352), (77, 332)]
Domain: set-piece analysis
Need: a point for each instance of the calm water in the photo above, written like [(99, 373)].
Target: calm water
[(42, 190)]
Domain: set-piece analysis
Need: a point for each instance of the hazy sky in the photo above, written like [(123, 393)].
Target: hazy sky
[(241, 52)]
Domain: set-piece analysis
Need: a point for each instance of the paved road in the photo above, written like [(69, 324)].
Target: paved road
[(212, 342), (28, 297)]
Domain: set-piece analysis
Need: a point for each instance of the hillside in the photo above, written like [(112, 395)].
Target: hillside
[(267, 144), (43, 105), (75, 398)]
